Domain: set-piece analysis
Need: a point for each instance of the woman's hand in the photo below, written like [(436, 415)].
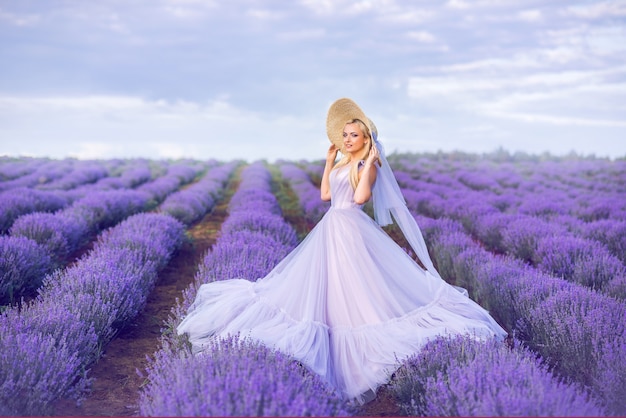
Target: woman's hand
[(331, 156), (373, 156)]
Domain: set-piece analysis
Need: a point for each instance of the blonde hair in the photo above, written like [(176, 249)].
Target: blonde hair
[(345, 160)]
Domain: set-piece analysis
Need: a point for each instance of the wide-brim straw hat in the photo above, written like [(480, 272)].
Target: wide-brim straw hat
[(341, 112)]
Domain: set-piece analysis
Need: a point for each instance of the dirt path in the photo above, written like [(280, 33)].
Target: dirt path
[(116, 382)]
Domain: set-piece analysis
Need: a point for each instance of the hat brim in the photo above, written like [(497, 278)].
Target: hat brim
[(341, 112)]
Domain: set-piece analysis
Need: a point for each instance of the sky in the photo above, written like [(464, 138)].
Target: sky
[(251, 79)]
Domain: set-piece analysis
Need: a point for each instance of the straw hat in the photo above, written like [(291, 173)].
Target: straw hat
[(339, 113)]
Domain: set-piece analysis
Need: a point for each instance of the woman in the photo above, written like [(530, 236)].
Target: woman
[(348, 302)]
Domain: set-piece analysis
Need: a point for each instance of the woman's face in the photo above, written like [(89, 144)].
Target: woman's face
[(353, 138)]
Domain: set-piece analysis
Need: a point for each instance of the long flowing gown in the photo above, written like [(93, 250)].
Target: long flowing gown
[(348, 302)]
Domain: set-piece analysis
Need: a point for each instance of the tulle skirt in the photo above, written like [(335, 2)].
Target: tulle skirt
[(348, 303)]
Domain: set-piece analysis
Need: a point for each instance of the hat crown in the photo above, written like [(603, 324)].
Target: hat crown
[(341, 112)]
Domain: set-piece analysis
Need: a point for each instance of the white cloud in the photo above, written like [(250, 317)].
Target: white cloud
[(405, 15), (303, 34), (112, 126), (458, 4), (524, 90), (560, 120), (533, 15), (90, 150), (265, 14), (612, 8), (191, 77), (422, 36), (20, 19), (189, 9), (170, 150)]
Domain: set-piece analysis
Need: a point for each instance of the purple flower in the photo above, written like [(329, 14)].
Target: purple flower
[(584, 261), (46, 229), (192, 203), (83, 173), (521, 236), (308, 194), (23, 265), (48, 343), (235, 377), (611, 233), (262, 222), (20, 201), (243, 254), (464, 377)]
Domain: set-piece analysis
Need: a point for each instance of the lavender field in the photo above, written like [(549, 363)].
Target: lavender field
[(539, 241)]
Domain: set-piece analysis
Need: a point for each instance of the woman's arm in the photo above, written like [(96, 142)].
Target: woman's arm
[(367, 177), (331, 156)]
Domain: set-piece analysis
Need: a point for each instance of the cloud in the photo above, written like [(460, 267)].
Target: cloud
[(558, 97), (265, 14), (188, 9), (422, 36), (533, 15), (132, 126), (300, 35), (613, 8), (21, 20), (254, 78)]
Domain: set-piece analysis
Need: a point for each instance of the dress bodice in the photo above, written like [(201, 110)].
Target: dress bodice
[(341, 191)]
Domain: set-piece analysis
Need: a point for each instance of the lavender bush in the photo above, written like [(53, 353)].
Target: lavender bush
[(64, 231), (463, 377), (23, 265), (611, 233), (48, 344), (22, 200), (190, 204), (134, 175), (12, 168), (243, 254), (127, 176), (254, 238), (176, 176), (579, 260), (308, 194), (235, 377), (577, 339), (36, 368), (53, 232), (84, 172), (575, 329), (46, 171)]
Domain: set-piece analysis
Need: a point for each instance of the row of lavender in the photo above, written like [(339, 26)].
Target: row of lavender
[(579, 332), (44, 191), (451, 230), (460, 376), (236, 377), (50, 342), (39, 242), (563, 226), (53, 174)]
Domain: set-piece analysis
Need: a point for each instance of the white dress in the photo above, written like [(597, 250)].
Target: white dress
[(348, 302)]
